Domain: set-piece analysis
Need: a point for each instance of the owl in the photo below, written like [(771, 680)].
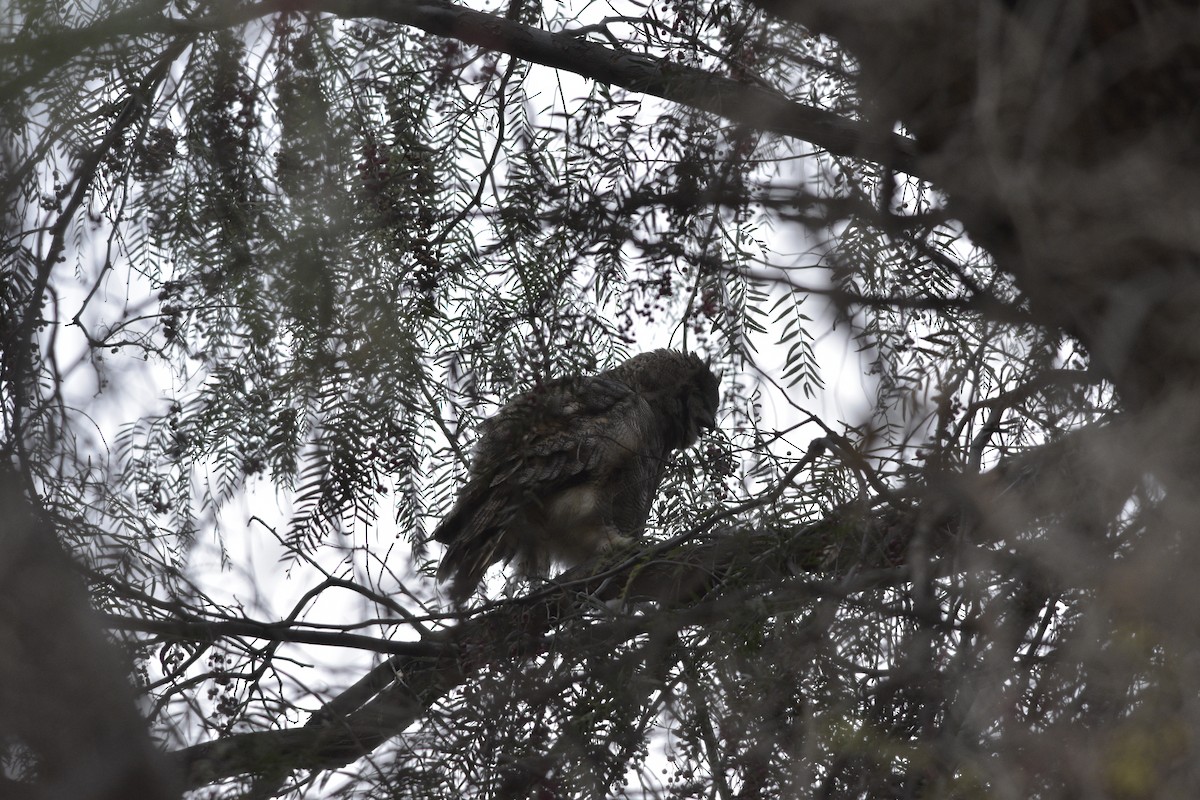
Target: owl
[(569, 469)]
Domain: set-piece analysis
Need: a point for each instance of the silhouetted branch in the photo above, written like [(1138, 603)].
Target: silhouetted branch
[(752, 105), (688, 583), (199, 630)]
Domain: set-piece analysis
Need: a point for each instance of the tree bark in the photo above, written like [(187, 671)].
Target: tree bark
[(64, 691)]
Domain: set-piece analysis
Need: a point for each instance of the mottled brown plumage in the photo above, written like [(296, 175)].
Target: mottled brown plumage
[(570, 469)]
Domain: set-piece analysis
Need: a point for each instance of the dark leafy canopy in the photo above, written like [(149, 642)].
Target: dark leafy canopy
[(294, 252)]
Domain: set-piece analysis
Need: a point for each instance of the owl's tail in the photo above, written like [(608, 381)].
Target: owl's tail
[(473, 535)]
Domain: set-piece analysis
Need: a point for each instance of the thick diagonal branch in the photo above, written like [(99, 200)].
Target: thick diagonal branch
[(739, 102), (681, 583)]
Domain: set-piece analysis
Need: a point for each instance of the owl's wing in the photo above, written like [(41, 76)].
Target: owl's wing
[(555, 436)]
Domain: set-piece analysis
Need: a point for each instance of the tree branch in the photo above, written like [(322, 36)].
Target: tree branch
[(200, 630), (681, 583), (746, 104)]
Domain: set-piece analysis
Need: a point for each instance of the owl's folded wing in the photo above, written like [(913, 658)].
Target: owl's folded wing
[(560, 435)]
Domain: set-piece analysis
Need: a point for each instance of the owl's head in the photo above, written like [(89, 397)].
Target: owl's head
[(681, 385)]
